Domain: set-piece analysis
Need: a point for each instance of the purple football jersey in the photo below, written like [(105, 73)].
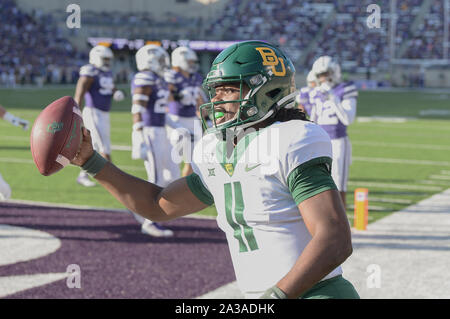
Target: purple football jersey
[(304, 99), (188, 88), (100, 93), (325, 114), (155, 113)]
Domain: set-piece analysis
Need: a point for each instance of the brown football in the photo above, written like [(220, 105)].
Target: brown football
[(56, 135)]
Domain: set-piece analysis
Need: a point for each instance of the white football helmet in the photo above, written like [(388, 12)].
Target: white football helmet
[(326, 64), (186, 59), (152, 57), (101, 57)]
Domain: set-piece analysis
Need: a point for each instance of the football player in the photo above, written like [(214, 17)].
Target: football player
[(150, 93), (5, 189), (96, 86), (302, 100), (334, 108), (185, 85), (283, 216)]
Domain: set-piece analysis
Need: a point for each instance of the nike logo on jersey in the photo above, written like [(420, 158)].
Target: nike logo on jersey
[(248, 169)]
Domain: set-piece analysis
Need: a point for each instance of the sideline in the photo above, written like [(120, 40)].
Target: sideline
[(404, 255)]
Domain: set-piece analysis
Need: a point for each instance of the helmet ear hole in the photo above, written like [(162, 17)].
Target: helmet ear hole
[(273, 93)]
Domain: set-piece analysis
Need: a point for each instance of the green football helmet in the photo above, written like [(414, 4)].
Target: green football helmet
[(268, 73)]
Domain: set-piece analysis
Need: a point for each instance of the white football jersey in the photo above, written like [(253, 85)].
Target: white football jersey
[(265, 231)]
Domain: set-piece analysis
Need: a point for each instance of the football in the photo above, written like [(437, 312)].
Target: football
[(56, 135)]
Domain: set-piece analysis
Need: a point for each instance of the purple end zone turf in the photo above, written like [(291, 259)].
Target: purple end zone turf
[(116, 259)]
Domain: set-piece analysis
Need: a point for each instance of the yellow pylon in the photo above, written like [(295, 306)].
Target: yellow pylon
[(361, 208)]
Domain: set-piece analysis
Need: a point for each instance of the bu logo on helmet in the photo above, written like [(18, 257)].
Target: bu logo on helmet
[(271, 59)]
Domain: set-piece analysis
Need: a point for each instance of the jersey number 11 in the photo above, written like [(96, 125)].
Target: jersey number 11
[(234, 207)]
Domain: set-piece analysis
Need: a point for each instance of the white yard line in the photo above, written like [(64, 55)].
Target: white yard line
[(16, 160), (389, 200), (384, 119), (404, 145), (121, 147), (395, 186), (435, 182), (15, 138), (400, 161), (440, 177)]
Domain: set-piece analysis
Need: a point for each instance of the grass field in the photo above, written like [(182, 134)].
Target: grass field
[(399, 161)]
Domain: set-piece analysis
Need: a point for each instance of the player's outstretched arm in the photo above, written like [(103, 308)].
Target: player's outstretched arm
[(144, 198), (14, 120)]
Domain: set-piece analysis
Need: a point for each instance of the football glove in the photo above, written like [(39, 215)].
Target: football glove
[(138, 146), (118, 96), (325, 87), (17, 121), (273, 293)]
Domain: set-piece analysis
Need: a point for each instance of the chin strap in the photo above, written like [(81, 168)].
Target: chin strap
[(288, 101)]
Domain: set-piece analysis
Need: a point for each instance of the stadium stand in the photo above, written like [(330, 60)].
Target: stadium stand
[(425, 42), (349, 39), (338, 28), (32, 49), (305, 29)]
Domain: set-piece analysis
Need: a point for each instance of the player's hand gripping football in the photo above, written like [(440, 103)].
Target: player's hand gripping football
[(85, 150)]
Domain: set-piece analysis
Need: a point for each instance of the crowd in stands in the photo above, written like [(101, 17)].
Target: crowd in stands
[(145, 25), (290, 24), (33, 49), (343, 34), (348, 37), (427, 40)]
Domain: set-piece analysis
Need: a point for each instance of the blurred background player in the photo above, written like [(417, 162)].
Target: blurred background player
[(5, 189), (150, 94), (334, 108), (96, 86), (185, 85), (302, 100)]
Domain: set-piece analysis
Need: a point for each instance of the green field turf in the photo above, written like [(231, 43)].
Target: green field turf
[(399, 162)]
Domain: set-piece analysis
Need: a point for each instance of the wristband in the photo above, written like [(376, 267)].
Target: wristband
[(274, 293), (138, 125), (137, 108), (140, 97), (94, 164)]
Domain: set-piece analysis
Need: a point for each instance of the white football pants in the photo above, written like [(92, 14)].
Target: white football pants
[(161, 168), (342, 158)]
